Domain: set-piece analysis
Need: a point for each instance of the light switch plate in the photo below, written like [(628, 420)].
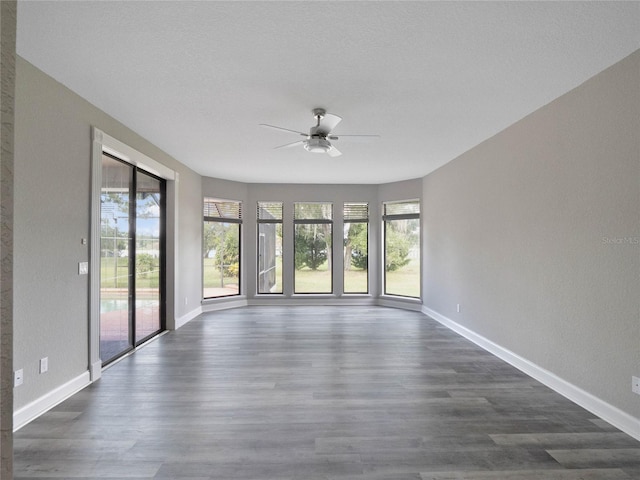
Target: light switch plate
[(83, 268), (18, 378), (44, 365)]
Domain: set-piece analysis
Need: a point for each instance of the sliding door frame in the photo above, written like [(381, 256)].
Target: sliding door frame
[(101, 142)]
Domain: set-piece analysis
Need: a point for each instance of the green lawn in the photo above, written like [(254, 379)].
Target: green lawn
[(211, 275), (355, 281), (313, 281), (319, 281), (405, 281), (114, 273)]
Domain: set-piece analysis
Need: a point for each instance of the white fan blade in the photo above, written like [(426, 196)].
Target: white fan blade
[(282, 128), (328, 122), (334, 152), (357, 139), (293, 144), (336, 137)]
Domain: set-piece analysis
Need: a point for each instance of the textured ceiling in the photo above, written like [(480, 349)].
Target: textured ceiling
[(434, 79)]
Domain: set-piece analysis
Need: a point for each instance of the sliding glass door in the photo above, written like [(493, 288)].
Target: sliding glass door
[(149, 255), (115, 247), (131, 257)]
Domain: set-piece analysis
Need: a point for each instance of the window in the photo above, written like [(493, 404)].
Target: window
[(356, 247), (312, 247), (221, 248), (402, 248), (269, 247)]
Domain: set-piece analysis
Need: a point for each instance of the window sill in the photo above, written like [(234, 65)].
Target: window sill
[(314, 295), (227, 298), (407, 303), (400, 298)]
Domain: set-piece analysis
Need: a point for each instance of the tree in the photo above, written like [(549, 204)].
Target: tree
[(356, 246), (397, 246), (221, 241), (228, 255), (310, 246), (145, 264), (211, 238)]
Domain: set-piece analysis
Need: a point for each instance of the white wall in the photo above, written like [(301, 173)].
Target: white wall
[(52, 215), (536, 233)]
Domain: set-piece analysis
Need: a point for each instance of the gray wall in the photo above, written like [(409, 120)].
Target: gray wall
[(405, 190), (536, 233), (52, 214), (188, 276)]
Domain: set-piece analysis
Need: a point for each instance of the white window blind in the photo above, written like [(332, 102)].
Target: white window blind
[(222, 209), (270, 211), (405, 209), (313, 212), (356, 212)]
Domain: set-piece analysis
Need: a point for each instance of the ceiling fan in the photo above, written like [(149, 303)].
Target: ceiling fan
[(319, 138)]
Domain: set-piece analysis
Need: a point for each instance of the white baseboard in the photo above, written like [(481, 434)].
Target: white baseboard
[(586, 400), (183, 320), (95, 370), (36, 408)]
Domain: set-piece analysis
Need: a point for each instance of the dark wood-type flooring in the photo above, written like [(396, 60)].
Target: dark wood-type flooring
[(319, 393)]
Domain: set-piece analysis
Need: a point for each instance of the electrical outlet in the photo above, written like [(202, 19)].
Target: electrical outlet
[(186, 301), (635, 385), (44, 364), (458, 308), (18, 378)]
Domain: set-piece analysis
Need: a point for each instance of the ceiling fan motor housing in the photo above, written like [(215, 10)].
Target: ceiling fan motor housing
[(317, 145)]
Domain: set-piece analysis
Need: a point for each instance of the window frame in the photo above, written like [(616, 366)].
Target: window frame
[(399, 214), (348, 219), (268, 221), (314, 221), (229, 217)]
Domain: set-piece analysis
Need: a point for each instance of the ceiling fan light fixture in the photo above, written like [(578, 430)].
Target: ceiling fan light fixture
[(317, 145), (317, 140)]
